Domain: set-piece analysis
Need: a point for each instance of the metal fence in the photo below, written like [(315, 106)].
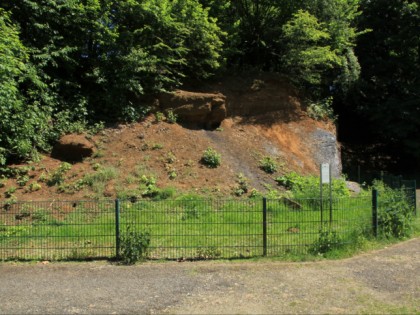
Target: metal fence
[(189, 229)]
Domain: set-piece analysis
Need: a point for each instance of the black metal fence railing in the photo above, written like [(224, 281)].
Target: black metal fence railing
[(194, 229)]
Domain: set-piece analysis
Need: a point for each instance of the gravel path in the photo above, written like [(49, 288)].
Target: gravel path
[(385, 281)]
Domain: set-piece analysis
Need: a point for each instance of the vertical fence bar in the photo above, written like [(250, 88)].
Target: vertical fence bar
[(117, 228), (375, 212), (415, 197), (264, 226)]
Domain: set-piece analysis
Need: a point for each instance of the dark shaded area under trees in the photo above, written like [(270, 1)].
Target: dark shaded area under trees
[(65, 65)]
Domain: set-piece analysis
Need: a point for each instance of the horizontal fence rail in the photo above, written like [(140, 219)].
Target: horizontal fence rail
[(179, 229)]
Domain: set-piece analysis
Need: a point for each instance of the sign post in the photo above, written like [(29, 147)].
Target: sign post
[(325, 170)]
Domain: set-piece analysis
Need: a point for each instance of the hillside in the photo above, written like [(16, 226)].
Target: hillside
[(131, 159)]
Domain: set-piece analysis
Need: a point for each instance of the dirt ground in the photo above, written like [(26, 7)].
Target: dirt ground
[(171, 153), (385, 281)]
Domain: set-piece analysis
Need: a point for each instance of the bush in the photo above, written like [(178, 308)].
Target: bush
[(133, 246), (268, 165), (308, 186), (211, 158), (395, 212), (327, 241)]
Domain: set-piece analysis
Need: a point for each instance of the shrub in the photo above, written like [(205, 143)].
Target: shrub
[(242, 187), (171, 117), (322, 110), (308, 186), (133, 246), (327, 241), (211, 158), (395, 212), (268, 165), (57, 177)]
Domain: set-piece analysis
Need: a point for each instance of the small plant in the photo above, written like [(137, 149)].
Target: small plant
[(96, 166), (327, 241), (10, 191), (133, 245), (242, 187), (22, 180), (34, 187), (57, 177), (322, 110), (148, 186), (2, 184), (159, 116), (157, 146), (211, 158), (170, 158), (268, 165), (171, 117), (172, 174), (255, 194), (210, 252)]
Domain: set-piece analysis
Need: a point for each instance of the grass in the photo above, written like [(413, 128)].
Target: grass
[(188, 227)]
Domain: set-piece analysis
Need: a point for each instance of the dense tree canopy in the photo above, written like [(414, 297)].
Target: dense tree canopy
[(80, 61)]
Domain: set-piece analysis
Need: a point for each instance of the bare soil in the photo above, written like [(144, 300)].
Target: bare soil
[(380, 282), (160, 149)]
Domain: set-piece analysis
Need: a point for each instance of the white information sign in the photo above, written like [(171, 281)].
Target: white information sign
[(325, 173)]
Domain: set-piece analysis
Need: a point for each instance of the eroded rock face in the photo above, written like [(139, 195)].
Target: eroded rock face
[(202, 110), (72, 148), (327, 150)]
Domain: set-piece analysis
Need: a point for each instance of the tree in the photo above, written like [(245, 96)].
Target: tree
[(388, 93), (23, 118), (308, 55)]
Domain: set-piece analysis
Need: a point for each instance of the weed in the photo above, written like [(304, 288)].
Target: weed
[(242, 185), (57, 177), (148, 186), (210, 252), (157, 146), (268, 165), (395, 212), (34, 187), (10, 191), (96, 166), (322, 109), (171, 117), (327, 241), (133, 245), (22, 180), (159, 116), (170, 158), (172, 174), (211, 158)]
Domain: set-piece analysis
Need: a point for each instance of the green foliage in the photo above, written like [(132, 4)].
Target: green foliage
[(395, 215), (242, 185), (268, 165), (211, 158), (133, 245), (24, 115), (308, 55), (328, 240), (171, 117), (211, 252), (58, 176), (322, 110), (308, 186), (148, 186), (387, 93)]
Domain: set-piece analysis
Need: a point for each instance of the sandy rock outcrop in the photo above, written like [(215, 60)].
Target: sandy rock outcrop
[(202, 110)]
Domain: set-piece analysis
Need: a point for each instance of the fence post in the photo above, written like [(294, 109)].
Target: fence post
[(375, 212), (415, 197), (264, 226), (117, 228)]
